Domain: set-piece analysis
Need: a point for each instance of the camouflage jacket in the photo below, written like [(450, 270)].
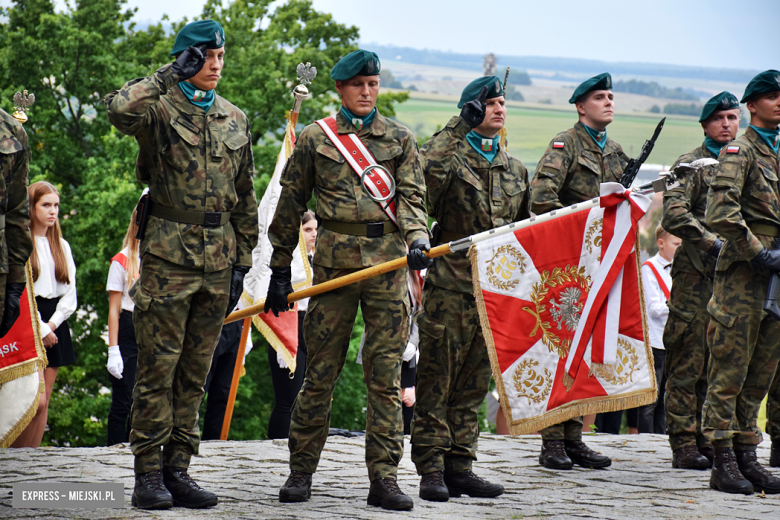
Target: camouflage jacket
[(195, 161), (468, 195), (683, 215), (316, 167), (743, 191), (572, 174), (15, 241)]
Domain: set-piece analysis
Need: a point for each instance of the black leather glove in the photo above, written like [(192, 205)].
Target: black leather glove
[(190, 61), (768, 258), (278, 289), (716, 247), (13, 292), (473, 112), (236, 286), (416, 258)]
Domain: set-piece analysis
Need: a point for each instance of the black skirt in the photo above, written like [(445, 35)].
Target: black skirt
[(62, 353)]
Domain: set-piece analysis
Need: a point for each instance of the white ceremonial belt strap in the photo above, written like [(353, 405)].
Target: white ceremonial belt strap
[(358, 157)]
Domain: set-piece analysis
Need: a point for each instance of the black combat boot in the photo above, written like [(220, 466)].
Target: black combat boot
[(467, 483), (688, 457), (185, 491), (752, 470), (725, 475), (583, 456), (150, 492), (708, 452), (386, 493), (774, 455), (297, 488), (554, 456), (432, 487)]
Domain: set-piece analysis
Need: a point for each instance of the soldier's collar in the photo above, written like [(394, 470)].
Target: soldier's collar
[(759, 142), (183, 104), (587, 141), (378, 126)]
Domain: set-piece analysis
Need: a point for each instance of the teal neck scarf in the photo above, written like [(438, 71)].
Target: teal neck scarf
[(771, 137), (358, 122), (713, 146), (600, 138), (484, 146), (200, 98)]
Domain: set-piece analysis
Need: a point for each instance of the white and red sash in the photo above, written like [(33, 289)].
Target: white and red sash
[(377, 182), (660, 280)]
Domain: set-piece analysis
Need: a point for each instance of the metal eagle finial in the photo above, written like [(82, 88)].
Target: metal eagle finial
[(22, 103), (306, 73)]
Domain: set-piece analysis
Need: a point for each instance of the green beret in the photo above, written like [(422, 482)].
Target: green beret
[(600, 82), (723, 101), (203, 31), (358, 63), (767, 81), (470, 93)]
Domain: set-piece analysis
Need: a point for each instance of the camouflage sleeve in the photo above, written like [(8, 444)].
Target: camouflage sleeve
[(410, 193), (17, 217), (132, 108), (243, 218), (523, 211), (436, 156), (724, 210), (297, 185), (677, 217), (550, 176)]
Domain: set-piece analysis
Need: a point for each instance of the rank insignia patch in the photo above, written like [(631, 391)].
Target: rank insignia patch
[(487, 145), (557, 144), (732, 149), (198, 96), (357, 123)]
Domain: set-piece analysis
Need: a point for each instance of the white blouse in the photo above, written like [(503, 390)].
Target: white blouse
[(117, 281), (47, 286)]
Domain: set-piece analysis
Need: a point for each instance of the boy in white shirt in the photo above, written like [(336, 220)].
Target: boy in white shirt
[(657, 283)]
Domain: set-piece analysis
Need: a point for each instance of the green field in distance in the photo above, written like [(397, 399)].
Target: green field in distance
[(530, 129)]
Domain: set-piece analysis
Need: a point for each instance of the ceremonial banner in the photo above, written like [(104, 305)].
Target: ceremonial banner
[(281, 332), (21, 357), (562, 311)]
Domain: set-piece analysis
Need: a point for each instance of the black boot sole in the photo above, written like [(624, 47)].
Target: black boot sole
[(744, 490), (592, 465), (434, 496), (457, 492), (550, 465), (288, 498), (160, 504), (211, 502), (377, 502), (700, 467)]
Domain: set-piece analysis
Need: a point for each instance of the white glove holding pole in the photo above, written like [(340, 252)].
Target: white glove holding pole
[(115, 365), (281, 361)]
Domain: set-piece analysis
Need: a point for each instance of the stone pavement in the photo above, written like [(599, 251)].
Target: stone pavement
[(247, 475)]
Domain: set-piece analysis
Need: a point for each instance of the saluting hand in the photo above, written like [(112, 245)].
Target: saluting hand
[(190, 61), (473, 112)]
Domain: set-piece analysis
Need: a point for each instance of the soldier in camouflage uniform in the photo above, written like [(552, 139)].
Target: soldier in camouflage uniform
[(473, 185), (570, 171), (685, 334), (195, 153), (354, 233), (773, 420), (15, 240), (743, 206)]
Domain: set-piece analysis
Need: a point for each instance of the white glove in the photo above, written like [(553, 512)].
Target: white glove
[(280, 360), (115, 365), (411, 348)]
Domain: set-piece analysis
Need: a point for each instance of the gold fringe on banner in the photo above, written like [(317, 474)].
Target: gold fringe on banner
[(574, 409), (24, 421), (602, 370)]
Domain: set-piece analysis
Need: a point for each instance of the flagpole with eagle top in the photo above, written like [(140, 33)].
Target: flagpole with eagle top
[(306, 73), (662, 184)]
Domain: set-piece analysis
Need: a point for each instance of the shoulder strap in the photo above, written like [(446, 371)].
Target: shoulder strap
[(121, 258), (661, 282), (358, 157)]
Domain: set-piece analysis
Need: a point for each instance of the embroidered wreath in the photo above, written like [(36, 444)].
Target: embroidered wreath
[(626, 354), (534, 387), (497, 266)]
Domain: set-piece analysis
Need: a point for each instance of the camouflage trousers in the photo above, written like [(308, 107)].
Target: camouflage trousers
[(687, 355), (744, 352), (773, 409), (453, 377), (569, 430), (327, 328), (178, 318)]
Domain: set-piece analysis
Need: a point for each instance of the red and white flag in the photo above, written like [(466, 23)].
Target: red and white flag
[(282, 332), (561, 311)]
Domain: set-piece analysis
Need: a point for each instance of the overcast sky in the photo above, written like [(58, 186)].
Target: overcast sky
[(715, 33)]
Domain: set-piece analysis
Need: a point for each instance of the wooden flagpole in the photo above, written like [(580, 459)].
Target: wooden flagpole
[(247, 327)]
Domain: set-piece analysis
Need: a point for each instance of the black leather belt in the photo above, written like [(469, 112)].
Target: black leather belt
[(369, 230), (197, 218)]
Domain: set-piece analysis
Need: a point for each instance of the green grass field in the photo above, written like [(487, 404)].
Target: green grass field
[(531, 128)]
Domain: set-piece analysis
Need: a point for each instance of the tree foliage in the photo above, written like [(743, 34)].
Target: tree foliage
[(683, 109), (653, 89), (70, 60)]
